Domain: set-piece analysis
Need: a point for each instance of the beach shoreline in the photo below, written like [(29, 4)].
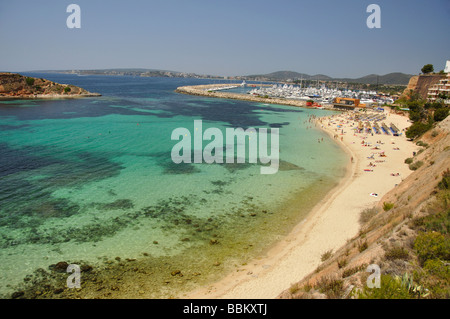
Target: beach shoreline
[(332, 222)]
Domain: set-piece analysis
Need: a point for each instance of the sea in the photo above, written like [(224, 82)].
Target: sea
[(91, 181)]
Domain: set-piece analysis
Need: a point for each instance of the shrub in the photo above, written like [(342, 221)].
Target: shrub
[(439, 222), (390, 288), (387, 206), (362, 246), (30, 81), (438, 268), (409, 160), (332, 287), (415, 166), (445, 182), (367, 214), (67, 89), (326, 255), (396, 253), (432, 245), (423, 144), (350, 271), (342, 263), (434, 133)]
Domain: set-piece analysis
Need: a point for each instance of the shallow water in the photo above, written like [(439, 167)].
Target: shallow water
[(92, 179)]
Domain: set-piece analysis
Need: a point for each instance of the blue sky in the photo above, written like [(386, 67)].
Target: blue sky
[(226, 37)]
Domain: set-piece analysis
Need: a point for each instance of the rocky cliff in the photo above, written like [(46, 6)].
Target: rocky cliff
[(13, 85), (420, 84)]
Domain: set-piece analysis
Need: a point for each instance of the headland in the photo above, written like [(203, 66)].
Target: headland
[(17, 86)]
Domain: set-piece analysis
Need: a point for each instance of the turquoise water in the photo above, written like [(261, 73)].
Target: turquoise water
[(92, 179)]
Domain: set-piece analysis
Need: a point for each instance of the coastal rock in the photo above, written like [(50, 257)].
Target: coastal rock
[(17, 86), (86, 268), (59, 267), (176, 272), (17, 294)]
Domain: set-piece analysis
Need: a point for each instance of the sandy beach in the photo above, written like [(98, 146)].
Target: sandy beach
[(376, 166)]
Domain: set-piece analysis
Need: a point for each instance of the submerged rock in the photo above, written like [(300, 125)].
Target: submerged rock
[(176, 272), (59, 267), (17, 294)]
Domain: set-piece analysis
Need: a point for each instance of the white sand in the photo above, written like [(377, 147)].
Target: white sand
[(332, 222)]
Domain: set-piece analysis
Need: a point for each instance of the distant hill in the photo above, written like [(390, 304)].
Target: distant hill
[(127, 71), (391, 78), (286, 75)]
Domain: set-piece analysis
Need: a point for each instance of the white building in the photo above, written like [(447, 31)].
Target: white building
[(447, 67), (441, 89)]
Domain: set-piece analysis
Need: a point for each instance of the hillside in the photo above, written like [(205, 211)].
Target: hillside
[(406, 234), (391, 78), (13, 85)]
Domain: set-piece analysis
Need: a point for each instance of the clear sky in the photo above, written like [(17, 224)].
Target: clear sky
[(226, 37)]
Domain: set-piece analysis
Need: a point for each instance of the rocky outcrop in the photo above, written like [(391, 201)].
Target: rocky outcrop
[(421, 83), (13, 85)]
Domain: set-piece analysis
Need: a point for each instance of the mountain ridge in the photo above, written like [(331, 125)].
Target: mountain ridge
[(393, 78), (390, 78)]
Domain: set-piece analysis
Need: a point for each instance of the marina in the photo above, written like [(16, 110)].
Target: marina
[(322, 94)]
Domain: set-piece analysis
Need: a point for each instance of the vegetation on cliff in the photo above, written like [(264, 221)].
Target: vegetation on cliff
[(407, 235), (424, 115)]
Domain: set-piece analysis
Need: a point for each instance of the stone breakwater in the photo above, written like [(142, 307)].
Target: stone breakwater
[(208, 90)]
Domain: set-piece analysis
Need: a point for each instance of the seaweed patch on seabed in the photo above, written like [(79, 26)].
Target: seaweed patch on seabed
[(123, 204), (158, 277), (37, 213), (172, 168), (288, 166)]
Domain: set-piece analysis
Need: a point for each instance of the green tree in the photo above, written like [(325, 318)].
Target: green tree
[(417, 129), (427, 68), (440, 114)]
